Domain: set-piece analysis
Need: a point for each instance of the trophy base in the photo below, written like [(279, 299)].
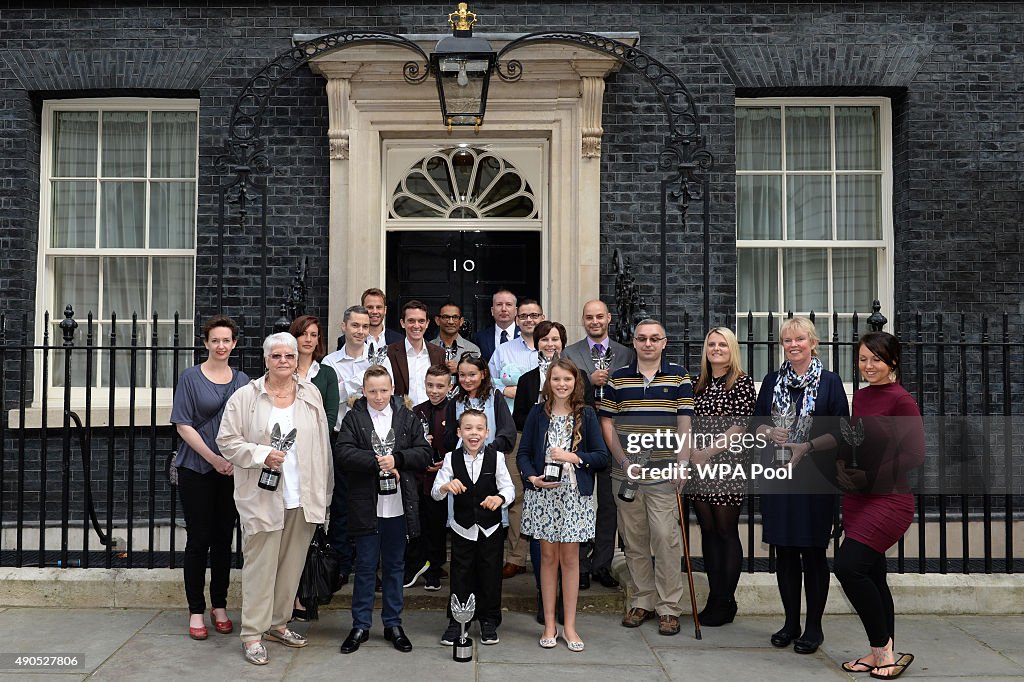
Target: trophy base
[(462, 651), (782, 456)]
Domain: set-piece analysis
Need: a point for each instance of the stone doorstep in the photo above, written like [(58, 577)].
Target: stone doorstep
[(757, 593)]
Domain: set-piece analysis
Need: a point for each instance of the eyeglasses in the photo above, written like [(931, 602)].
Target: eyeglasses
[(530, 316), (278, 357), (449, 318), (643, 340)]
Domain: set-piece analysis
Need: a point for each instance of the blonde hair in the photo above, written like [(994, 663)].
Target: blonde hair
[(804, 325), (735, 370)]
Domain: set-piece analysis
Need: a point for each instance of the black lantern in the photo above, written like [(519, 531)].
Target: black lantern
[(462, 66)]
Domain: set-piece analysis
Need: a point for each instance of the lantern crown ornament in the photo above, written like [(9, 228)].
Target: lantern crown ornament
[(462, 66)]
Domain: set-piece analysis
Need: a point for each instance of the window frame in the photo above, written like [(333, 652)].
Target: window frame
[(45, 254), (883, 247)]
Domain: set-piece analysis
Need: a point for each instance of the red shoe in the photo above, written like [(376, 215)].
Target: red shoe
[(198, 633), (224, 627)]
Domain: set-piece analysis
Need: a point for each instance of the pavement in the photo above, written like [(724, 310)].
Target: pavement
[(153, 644)]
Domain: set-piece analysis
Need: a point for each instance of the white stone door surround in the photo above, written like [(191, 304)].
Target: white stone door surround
[(559, 98)]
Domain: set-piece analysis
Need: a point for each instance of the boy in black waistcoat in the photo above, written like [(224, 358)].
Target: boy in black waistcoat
[(478, 481)]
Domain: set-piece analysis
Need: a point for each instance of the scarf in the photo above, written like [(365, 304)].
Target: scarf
[(782, 397)]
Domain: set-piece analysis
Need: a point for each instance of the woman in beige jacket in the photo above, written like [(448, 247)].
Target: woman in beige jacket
[(277, 525)]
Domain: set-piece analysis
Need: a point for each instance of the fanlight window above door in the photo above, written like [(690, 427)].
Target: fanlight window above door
[(463, 183)]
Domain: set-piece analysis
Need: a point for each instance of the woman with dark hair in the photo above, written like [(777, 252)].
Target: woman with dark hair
[(723, 402), (205, 477), (560, 513), (550, 339), (878, 506), (312, 348), (476, 391), (799, 525)]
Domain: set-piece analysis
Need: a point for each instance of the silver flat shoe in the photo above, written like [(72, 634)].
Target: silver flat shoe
[(287, 637), (548, 642), (575, 646), (256, 653)]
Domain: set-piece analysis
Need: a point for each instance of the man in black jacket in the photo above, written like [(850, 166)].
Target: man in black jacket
[(379, 523)]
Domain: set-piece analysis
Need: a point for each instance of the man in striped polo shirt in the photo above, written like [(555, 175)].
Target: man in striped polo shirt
[(645, 415)]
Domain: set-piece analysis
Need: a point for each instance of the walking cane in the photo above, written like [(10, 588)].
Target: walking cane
[(689, 569)]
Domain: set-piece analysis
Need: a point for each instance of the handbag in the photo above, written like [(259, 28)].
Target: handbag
[(317, 584), (172, 471)]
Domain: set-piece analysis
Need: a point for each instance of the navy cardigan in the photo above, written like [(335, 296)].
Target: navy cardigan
[(592, 450)]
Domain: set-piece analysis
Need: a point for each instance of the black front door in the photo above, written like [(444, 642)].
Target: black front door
[(466, 267)]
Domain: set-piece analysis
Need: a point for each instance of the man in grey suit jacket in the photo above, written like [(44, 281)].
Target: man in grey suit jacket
[(596, 556)]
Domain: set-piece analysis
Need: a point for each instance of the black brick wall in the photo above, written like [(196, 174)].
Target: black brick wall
[(954, 70)]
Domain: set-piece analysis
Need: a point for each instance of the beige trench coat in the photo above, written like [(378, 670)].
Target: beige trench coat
[(244, 441)]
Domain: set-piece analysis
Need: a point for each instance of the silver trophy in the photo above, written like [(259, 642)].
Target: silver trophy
[(377, 356), (544, 363), (270, 478), (784, 420), (629, 486), (601, 361), (462, 652), (559, 435), (450, 353), (387, 482), (854, 435)]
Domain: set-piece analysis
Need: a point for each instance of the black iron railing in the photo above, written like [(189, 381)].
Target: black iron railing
[(84, 482)]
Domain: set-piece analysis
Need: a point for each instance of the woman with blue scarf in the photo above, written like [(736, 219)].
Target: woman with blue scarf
[(799, 524)]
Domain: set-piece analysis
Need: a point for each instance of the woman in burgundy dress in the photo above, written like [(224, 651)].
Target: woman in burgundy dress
[(878, 507)]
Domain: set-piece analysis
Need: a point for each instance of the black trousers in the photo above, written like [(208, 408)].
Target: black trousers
[(432, 544), (207, 501), (597, 553), (476, 569), (861, 571)]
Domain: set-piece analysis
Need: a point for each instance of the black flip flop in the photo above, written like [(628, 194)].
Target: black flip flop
[(903, 662), (851, 667)]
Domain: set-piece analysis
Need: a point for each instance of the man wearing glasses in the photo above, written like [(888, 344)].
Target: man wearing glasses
[(510, 361), (647, 396), (449, 322)]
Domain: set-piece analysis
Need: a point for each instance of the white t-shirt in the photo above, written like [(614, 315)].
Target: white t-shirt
[(388, 506), (285, 418)]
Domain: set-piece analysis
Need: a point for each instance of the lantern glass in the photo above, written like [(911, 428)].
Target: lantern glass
[(463, 84)]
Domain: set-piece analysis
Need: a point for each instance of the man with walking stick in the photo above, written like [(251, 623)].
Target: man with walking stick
[(645, 419)]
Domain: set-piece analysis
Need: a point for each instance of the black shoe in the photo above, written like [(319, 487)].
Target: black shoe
[(718, 612), (356, 637), (451, 634), (413, 573), (300, 615), (782, 638), (488, 633), (584, 581), (432, 581), (396, 635), (605, 577), (807, 646)]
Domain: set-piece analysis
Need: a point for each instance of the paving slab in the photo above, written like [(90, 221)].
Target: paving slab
[(750, 665), (941, 647), (94, 634), (608, 643), (1004, 634), (503, 672), (176, 657)]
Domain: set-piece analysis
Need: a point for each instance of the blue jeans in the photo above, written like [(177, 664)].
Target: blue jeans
[(387, 545)]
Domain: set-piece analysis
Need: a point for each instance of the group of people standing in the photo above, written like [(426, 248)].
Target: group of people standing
[(515, 442)]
